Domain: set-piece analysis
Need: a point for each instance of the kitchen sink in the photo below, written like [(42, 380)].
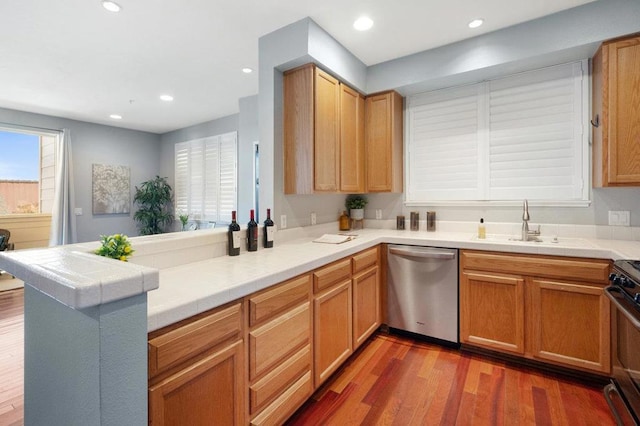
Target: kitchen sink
[(539, 240)]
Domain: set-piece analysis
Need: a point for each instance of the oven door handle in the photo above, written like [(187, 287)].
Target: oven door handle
[(623, 309)]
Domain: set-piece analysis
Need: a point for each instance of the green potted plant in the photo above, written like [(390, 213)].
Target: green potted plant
[(355, 203), (155, 201), (115, 246), (184, 219)]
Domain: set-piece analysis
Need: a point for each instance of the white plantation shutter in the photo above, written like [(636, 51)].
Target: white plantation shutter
[(443, 154), (206, 177), (508, 139)]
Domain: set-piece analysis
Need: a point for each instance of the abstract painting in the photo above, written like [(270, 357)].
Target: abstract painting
[(111, 189)]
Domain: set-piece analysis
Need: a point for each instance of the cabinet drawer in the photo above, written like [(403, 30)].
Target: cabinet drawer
[(272, 302), (286, 404), (574, 269), (270, 344), (188, 340), (266, 389), (333, 274), (365, 259)]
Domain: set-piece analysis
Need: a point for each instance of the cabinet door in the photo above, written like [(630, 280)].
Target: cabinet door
[(351, 140), (570, 324), (332, 330), (366, 305), (383, 142), (208, 392), (624, 111), (492, 311), (327, 132)]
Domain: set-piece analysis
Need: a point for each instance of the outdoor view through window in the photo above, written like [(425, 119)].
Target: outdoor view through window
[(26, 172)]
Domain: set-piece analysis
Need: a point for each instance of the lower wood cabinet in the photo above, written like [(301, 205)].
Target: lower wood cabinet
[(196, 370), (257, 360), (492, 311), (547, 308), (279, 350)]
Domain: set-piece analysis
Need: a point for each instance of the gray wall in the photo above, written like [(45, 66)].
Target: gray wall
[(94, 143), (565, 36)]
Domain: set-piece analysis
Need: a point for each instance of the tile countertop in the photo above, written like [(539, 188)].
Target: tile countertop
[(192, 288)]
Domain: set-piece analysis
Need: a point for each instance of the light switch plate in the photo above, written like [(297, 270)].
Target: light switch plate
[(78, 211), (283, 221)]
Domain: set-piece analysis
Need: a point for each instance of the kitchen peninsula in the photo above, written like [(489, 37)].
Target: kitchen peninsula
[(87, 318)]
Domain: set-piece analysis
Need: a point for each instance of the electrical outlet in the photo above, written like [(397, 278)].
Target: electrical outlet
[(378, 214), (283, 221), (619, 218), (313, 218)]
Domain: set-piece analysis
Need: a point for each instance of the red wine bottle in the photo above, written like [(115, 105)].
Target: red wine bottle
[(234, 236), (269, 230), (252, 233)]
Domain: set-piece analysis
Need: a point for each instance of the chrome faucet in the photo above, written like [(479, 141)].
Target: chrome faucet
[(526, 234)]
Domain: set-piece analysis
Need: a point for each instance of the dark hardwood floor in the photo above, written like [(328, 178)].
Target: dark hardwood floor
[(399, 381), (392, 380)]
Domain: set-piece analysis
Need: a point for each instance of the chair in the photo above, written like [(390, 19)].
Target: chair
[(5, 235), (4, 242)]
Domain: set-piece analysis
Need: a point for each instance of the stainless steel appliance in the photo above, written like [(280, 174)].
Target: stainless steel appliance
[(423, 291), (623, 394)]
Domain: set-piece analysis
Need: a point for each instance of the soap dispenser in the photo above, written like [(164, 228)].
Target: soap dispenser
[(482, 230)]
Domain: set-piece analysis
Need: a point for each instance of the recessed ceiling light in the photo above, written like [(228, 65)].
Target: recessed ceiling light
[(166, 98), (363, 23), (111, 6), (116, 116), (476, 23), (247, 70)]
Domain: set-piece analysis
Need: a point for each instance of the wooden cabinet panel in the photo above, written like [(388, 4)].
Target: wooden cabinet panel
[(269, 303), (192, 337), (492, 311), (383, 142), (327, 132), (365, 259), (570, 324), (352, 161), (366, 305), (329, 275), (332, 330), (577, 269), (298, 130), (616, 84), (286, 404), (271, 343), (211, 388), (270, 386)]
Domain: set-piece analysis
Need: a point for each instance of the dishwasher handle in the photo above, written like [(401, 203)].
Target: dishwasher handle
[(422, 254)]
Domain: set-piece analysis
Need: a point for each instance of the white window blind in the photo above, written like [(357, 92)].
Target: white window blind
[(507, 139), (206, 177)]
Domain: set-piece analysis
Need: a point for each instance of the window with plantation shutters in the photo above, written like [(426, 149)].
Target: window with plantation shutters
[(517, 137), (206, 177)]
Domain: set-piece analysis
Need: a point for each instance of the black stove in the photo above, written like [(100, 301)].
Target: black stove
[(625, 279)]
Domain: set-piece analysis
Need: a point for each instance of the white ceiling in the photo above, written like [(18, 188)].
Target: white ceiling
[(74, 59)]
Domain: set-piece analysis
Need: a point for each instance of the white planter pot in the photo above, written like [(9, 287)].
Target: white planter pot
[(357, 214)]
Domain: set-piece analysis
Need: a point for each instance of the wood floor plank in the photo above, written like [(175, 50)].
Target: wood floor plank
[(11, 357)]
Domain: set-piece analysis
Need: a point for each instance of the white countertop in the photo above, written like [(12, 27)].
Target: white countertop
[(192, 288)]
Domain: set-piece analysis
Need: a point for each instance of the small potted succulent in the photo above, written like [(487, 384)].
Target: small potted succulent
[(355, 203)]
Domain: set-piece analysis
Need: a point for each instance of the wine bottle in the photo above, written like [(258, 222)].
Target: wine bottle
[(269, 231), (234, 236), (252, 233)]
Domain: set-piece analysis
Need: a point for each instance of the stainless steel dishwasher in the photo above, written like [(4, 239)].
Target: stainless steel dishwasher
[(423, 291)]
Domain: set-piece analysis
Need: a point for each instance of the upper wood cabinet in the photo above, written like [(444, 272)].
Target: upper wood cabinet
[(616, 108), (323, 133), (383, 142)]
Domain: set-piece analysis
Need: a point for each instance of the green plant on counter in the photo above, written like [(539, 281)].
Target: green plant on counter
[(355, 201), (184, 218), (156, 204), (115, 246)]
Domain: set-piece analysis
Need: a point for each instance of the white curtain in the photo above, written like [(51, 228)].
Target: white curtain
[(63, 219)]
